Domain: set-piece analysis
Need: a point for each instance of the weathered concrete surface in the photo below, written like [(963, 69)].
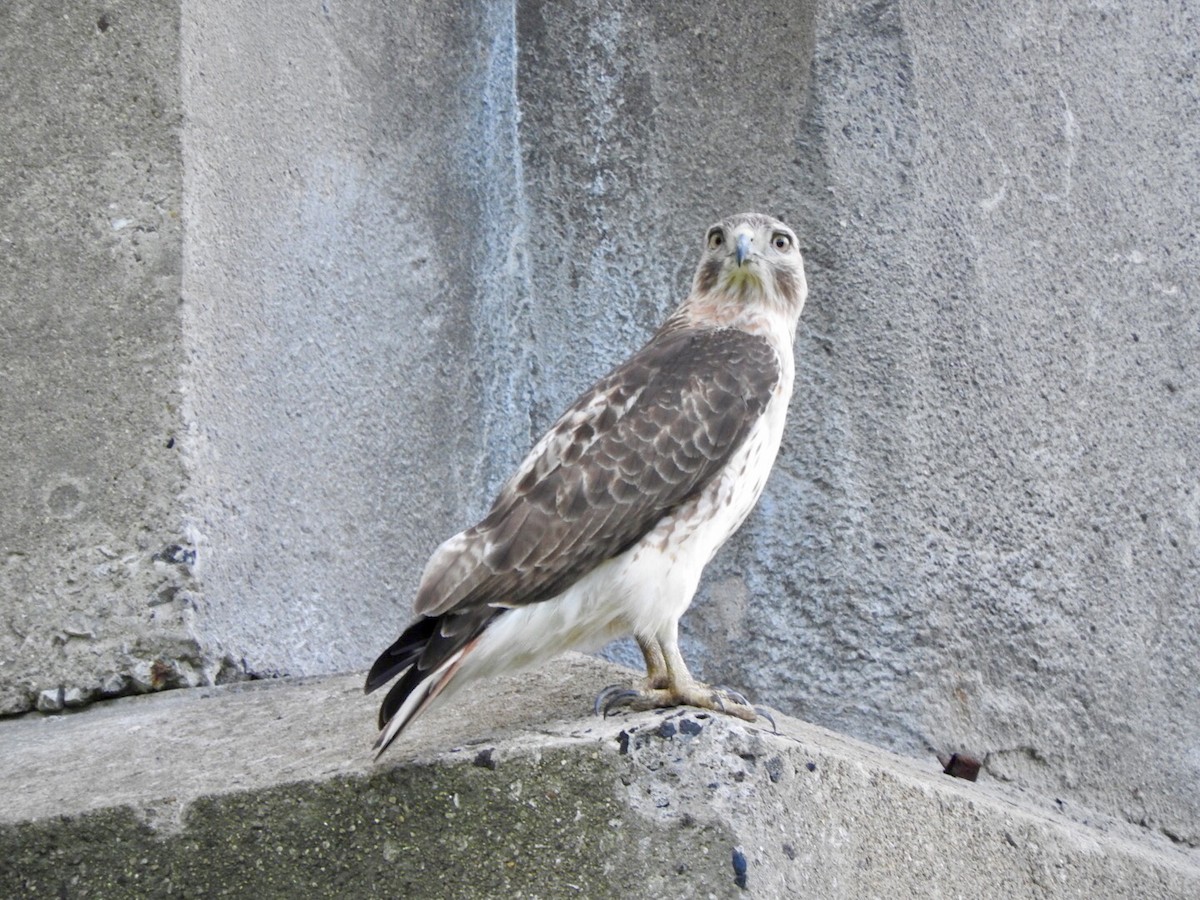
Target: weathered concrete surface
[(986, 519), (350, 193), (268, 790), (95, 587), (408, 241)]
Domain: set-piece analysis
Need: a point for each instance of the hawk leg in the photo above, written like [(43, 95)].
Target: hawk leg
[(656, 679), (668, 683)]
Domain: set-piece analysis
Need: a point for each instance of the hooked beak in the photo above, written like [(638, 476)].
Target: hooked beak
[(743, 247)]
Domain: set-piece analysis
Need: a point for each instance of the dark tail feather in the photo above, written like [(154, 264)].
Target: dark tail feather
[(426, 657), (403, 653), (399, 692)]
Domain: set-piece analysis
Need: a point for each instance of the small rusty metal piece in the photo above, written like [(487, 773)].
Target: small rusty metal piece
[(959, 765), (161, 672)]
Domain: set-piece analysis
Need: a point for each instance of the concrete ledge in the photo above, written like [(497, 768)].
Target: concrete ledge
[(268, 790)]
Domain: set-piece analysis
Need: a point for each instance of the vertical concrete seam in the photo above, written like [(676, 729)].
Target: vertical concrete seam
[(503, 337)]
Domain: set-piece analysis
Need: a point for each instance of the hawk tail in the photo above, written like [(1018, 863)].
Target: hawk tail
[(426, 658), (406, 650)]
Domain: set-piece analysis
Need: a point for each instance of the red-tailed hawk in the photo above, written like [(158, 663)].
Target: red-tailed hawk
[(605, 528)]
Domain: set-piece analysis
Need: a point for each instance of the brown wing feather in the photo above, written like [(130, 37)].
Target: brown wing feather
[(640, 442)]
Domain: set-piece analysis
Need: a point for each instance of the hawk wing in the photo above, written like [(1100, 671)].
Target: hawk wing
[(643, 440)]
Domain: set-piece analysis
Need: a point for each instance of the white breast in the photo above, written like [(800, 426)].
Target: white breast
[(650, 585), (671, 558)]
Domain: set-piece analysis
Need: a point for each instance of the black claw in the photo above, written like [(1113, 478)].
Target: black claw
[(618, 699), (735, 696), (762, 712), (599, 708)]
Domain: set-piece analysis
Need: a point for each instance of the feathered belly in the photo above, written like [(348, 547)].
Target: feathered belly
[(682, 544), (642, 591), (649, 586)]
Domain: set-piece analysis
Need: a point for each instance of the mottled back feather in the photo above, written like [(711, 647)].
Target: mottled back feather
[(643, 440)]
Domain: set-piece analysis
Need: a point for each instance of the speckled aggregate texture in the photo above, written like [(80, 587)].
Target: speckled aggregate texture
[(986, 525), (267, 790), (403, 243)]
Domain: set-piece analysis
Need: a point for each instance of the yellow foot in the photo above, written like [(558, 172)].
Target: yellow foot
[(703, 696)]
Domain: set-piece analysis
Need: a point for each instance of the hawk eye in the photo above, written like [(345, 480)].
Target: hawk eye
[(715, 239), (781, 241)]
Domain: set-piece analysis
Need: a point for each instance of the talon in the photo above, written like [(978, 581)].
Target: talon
[(619, 698), (735, 696), (599, 707), (762, 712)]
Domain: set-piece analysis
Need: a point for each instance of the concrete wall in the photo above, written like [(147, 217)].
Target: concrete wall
[(95, 594), (408, 239), (988, 521), (345, 216)]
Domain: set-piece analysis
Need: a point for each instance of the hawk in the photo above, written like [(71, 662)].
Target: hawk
[(606, 526)]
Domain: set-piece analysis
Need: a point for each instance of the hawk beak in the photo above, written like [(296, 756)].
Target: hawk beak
[(743, 247)]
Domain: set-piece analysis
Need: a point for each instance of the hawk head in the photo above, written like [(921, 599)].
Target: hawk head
[(752, 258)]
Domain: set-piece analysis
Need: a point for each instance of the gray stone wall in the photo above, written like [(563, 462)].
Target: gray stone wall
[(95, 593), (403, 240), (986, 525), (344, 227)]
